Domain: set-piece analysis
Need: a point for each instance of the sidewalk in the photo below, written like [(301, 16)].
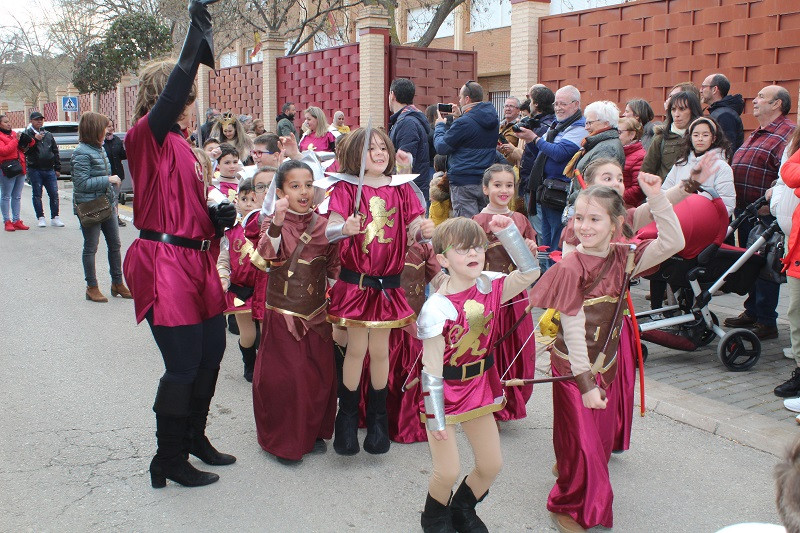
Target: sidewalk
[(695, 388)]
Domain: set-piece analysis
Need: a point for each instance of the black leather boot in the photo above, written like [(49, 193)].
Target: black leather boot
[(462, 508), (172, 419), (249, 360), (436, 517), (338, 359), (345, 439), (198, 445), (377, 440)]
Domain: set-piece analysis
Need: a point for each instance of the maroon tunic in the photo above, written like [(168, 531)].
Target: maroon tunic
[(252, 231), (379, 250), (498, 260), (243, 271), (294, 383), (179, 284)]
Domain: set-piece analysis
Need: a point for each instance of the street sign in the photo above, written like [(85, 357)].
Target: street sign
[(69, 104)]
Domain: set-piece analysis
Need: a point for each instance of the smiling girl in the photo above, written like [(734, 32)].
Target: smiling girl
[(584, 287), (499, 186), (294, 384), (368, 300)]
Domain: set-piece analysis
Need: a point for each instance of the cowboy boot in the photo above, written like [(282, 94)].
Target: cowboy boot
[(462, 508), (345, 440), (198, 445), (377, 440), (172, 419), (436, 517), (249, 359)]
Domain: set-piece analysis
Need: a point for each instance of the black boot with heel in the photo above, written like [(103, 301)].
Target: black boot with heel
[(462, 508), (198, 444)]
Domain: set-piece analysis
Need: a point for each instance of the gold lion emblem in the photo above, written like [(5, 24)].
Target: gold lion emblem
[(380, 219), (470, 339)]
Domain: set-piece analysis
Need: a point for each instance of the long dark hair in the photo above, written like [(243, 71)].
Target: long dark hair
[(720, 141), (687, 99)]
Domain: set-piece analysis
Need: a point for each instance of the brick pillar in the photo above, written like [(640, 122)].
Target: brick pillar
[(121, 119), (60, 93), (525, 15), (459, 26), (372, 25), (94, 105), (3, 108), (271, 49), (41, 99), (401, 20), (73, 91)]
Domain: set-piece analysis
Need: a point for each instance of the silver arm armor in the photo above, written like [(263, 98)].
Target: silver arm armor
[(433, 396), (333, 232), (517, 249)]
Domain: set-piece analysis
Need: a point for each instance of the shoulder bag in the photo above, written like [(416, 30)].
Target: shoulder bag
[(94, 211)]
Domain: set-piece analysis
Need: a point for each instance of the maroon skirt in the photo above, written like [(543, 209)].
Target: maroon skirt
[(524, 365), (294, 389)]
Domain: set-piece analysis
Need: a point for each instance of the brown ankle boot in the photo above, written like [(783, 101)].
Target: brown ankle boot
[(119, 289), (94, 294)]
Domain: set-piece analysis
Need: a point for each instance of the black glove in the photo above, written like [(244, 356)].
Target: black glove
[(223, 215), (198, 10), (199, 44)]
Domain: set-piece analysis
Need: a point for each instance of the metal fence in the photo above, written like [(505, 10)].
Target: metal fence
[(498, 99)]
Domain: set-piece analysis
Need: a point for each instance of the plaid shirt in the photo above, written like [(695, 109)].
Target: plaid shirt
[(755, 165)]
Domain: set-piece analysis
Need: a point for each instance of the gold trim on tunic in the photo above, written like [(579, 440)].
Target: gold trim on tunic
[(380, 324), (600, 299), (292, 313), (469, 415)]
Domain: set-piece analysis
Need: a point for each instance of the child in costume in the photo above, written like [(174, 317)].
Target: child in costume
[(228, 168), (368, 299), (229, 130), (261, 181), (294, 386), (460, 382), (238, 273), (587, 287), (441, 206), (499, 186)]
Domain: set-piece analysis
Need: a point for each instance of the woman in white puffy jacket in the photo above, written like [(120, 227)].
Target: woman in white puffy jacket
[(705, 139)]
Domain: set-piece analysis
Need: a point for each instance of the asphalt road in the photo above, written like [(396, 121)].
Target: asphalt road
[(77, 434)]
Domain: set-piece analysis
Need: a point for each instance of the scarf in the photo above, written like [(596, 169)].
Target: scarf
[(676, 130)]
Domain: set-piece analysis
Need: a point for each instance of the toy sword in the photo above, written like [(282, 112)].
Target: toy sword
[(364, 155)]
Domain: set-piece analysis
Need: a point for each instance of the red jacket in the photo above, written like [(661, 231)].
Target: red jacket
[(790, 172), (634, 155), (9, 149)]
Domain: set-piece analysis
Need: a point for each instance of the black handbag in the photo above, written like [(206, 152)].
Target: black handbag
[(553, 193), (11, 169), (773, 251)]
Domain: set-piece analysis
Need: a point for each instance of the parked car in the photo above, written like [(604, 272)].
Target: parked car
[(66, 137)]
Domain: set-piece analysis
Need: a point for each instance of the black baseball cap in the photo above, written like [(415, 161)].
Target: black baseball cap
[(36, 115)]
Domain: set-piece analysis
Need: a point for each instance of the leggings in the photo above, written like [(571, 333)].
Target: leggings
[(484, 440), (187, 348)]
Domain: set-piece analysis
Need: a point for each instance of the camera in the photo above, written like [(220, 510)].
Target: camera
[(529, 123), (445, 108)]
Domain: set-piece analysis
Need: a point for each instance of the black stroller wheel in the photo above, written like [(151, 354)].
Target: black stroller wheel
[(709, 334), (739, 350)]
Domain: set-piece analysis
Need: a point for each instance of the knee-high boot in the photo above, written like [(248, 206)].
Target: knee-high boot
[(172, 419), (338, 359), (249, 359), (202, 391), (345, 439), (462, 508), (377, 440)]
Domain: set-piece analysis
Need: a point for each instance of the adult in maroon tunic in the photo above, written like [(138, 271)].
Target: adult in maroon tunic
[(173, 279)]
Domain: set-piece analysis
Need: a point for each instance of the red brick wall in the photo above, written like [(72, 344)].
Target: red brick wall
[(51, 111), (84, 103), (642, 49), (328, 79), (108, 103), (18, 119), (437, 74), (237, 89)]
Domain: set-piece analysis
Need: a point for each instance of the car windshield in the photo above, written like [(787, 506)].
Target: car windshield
[(62, 129)]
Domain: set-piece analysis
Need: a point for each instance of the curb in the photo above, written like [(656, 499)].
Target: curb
[(753, 430)]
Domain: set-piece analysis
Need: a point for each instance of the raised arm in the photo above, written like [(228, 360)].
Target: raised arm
[(198, 47)]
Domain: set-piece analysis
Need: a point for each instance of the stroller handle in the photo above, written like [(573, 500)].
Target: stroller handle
[(750, 212)]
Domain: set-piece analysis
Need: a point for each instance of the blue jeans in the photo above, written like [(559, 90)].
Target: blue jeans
[(10, 194), (762, 300), (91, 236), (551, 229), (536, 222), (50, 181)]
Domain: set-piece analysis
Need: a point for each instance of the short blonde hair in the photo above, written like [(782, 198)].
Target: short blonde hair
[(630, 123), (350, 146), (459, 232)]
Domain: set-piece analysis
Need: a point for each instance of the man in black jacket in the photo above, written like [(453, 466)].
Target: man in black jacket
[(115, 150), (724, 108), (44, 169), (409, 131)]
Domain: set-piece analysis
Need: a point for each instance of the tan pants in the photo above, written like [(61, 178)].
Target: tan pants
[(484, 440), (794, 315)]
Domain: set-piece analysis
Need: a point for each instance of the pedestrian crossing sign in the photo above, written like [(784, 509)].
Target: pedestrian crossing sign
[(69, 104)]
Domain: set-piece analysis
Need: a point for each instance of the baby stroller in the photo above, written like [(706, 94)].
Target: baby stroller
[(699, 271)]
